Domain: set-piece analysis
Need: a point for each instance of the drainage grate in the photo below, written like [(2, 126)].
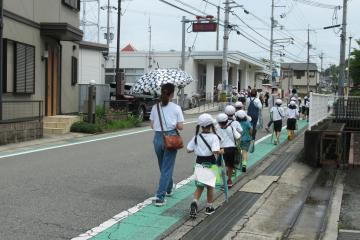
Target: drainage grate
[(348, 234)]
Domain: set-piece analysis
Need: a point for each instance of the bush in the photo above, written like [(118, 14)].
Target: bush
[(223, 97), (355, 92), (131, 121), (85, 127)]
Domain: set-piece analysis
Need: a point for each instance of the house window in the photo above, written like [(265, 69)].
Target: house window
[(19, 67), (73, 4), (311, 74), (74, 71), (133, 74), (299, 74)]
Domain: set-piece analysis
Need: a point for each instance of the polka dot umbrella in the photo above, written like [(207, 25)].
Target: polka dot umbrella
[(152, 81)]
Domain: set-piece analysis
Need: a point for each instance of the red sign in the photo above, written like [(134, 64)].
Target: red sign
[(204, 27)]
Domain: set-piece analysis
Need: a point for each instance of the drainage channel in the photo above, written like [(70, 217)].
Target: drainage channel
[(309, 223), (221, 222)]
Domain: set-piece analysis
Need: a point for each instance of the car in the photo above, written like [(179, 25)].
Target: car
[(137, 104)]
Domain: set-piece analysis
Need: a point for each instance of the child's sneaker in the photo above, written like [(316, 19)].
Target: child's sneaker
[(169, 194), (209, 210), (193, 209), (160, 202), (229, 183), (267, 129), (243, 169)]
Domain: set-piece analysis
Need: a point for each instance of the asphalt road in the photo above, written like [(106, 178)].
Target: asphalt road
[(63, 192)]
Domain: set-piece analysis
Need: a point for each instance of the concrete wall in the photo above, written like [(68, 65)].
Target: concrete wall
[(21, 131), (91, 66)]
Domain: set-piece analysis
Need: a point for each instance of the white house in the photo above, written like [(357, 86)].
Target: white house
[(203, 66), (92, 62)]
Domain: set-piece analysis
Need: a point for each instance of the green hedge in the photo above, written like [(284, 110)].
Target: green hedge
[(85, 127)]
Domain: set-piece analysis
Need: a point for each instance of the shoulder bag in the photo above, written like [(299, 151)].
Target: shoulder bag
[(171, 142)]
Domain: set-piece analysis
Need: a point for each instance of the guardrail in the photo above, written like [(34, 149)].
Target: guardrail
[(20, 111)]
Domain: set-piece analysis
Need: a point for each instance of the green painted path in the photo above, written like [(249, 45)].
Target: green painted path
[(150, 222)]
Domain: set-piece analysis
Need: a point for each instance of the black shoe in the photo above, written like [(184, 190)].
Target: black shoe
[(160, 202), (209, 210), (243, 169), (193, 209)]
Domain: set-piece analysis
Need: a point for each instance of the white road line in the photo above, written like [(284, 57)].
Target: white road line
[(127, 213), (80, 142)]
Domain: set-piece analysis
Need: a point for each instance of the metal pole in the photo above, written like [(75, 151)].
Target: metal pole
[(150, 65), (217, 29), (307, 62), (84, 19), (108, 27), (119, 84), (342, 51), (225, 49), (1, 56), (182, 67), (348, 71), (98, 22), (272, 44)]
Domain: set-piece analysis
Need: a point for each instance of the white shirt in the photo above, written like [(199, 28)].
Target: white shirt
[(277, 113), (200, 149), (227, 136), (236, 125), (171, 115), (292, 113), (256, 101)]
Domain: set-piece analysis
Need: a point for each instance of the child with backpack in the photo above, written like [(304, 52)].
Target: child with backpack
[(277, 114), (254, 107), (292, 114), (245, 139), (205, 145), (230, 112), (228, 135)]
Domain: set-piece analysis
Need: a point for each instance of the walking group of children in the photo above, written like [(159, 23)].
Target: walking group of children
[(277, 114), (231, 130)]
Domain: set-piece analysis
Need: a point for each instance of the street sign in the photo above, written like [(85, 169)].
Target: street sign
[(204, 27)]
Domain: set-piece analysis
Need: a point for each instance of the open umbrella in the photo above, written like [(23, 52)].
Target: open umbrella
[(152, 81)]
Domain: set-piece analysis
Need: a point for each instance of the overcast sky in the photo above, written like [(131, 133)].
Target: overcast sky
[(292, 15)]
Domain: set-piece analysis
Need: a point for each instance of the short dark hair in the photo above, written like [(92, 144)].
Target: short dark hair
[(253, 93), (166, 91), (294, 91)]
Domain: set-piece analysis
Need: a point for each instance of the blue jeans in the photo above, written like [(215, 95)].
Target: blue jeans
[(166, 161)]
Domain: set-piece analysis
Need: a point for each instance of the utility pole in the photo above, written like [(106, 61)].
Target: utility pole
[(1, 55), (182, 66), (225, 49), (348, 71), (217, 28), (272, 44), (308, 61), (150, 58), (342, 51), (321, 67), (84, 18), (108, 26), (119, 76)]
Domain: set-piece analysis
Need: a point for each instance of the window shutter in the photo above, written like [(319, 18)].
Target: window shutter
[(74, 71), (30, 69), (20, 70)]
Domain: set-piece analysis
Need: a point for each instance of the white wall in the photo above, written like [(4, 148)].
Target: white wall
[(91, 66)]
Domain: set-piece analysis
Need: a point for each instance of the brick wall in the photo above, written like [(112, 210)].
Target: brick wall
[(20, 132)]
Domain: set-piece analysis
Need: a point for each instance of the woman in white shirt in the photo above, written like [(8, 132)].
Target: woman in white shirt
[(228, 136), (277, 114), (172, 120), (292, 114)]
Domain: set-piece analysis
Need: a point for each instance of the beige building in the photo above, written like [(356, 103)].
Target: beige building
[(41, 53), (293, 75)]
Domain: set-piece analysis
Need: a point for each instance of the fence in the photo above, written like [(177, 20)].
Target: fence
[(347, 110), (20, 111), (102, 94), (319, 108)]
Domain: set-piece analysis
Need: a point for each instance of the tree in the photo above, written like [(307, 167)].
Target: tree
[(355, 65)]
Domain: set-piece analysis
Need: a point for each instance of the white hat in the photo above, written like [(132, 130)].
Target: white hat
[(221, 117), (205, 120), (230, 110), (240, 114), (278, 101), (292, 103), (239, 104), (293, 99), (305, 97), (299, 97)]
